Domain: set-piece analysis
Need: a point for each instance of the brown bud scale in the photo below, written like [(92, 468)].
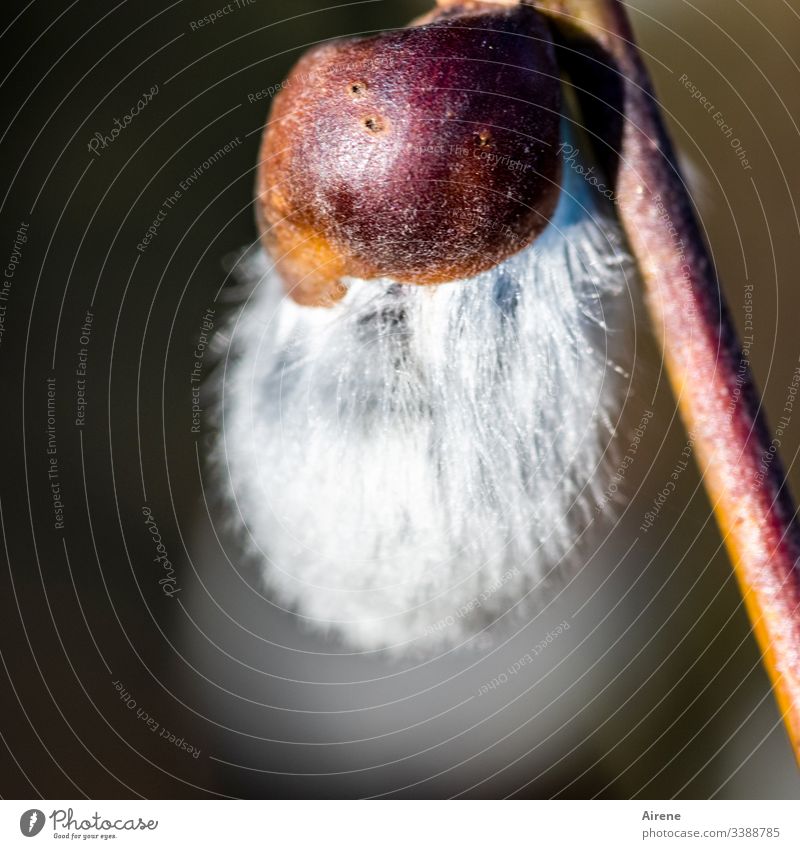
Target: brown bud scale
[(425, 154)]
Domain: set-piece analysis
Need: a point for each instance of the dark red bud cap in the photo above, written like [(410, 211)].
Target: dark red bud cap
[(426, 154)]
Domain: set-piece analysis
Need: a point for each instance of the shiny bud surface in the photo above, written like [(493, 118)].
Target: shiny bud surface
[(425, 155)]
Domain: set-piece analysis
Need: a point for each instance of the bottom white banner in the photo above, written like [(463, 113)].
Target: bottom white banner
[(403, 823)]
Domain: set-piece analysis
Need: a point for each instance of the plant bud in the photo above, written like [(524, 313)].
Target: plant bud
[(425, 155)]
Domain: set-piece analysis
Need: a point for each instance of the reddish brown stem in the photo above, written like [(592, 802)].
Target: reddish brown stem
[(709, 373)]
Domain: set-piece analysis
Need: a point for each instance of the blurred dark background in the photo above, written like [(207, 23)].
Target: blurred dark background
[(657, 691)]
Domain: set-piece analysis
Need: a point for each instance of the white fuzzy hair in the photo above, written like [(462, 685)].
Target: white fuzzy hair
[(410, 464)]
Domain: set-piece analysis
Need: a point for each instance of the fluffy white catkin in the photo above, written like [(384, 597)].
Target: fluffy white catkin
[(415, 463)]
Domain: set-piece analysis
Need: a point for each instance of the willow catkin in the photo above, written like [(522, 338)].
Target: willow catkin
[(414, 463)]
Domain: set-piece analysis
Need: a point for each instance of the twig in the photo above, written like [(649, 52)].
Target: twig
[(708, 371)]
